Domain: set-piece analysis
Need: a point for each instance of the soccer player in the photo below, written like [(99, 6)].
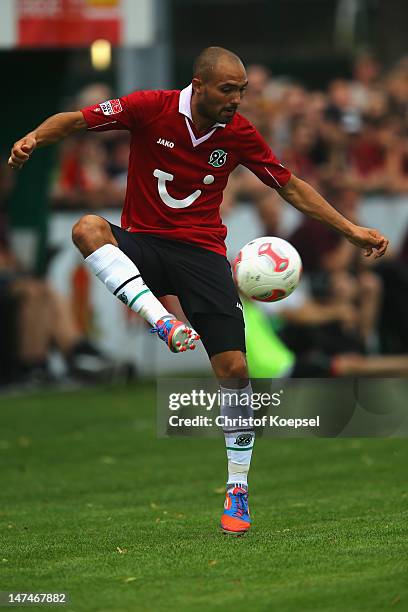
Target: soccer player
[(184, 145)]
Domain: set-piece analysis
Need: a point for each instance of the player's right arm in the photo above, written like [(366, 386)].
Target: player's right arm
[(51, 130)]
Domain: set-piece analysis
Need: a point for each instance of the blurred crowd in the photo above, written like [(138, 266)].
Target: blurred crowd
[(349, 142), (92, 168), (348, 315), (36, 320), (353, 134)]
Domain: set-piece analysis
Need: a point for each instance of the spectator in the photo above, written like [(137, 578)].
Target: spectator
[(36, 307), (341, 109), (87, 176), (337, 271), (258, 105), (371, 154), (366, 74), (397, 89), (299, 156), (82, 178)]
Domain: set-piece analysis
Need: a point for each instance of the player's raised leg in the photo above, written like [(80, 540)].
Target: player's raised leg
[(231, 370), (94, 238)]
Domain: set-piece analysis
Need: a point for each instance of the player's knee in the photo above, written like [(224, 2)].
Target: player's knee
[(86, 228), (233, 368)]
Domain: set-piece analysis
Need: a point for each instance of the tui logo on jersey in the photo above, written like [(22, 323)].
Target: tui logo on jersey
[(217, 158)]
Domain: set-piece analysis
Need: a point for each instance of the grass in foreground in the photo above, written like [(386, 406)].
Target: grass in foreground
[(95, 505)]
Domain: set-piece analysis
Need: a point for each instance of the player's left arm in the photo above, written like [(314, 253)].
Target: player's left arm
[(307, 200), (255, 154)]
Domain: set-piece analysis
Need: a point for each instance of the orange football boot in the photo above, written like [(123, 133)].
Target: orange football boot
[(235, 519)]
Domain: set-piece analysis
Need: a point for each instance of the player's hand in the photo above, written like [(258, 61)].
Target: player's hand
[(370, 240), (21, 151)]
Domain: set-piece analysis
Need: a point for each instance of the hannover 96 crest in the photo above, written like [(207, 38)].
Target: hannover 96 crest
[(218, 158), (243, 440)]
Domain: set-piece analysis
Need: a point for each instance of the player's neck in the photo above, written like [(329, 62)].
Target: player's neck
[(201, 123)]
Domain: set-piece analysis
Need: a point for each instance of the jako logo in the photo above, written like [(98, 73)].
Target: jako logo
[(165, 143)]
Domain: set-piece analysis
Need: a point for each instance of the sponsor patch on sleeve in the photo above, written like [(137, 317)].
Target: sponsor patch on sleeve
[(111, 107)]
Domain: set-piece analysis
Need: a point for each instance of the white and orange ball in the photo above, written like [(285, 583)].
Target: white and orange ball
[(267, 269)]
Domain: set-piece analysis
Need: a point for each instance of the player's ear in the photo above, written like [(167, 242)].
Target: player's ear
[(197, 84)]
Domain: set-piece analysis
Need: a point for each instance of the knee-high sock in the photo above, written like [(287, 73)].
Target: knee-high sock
[(123, 279), (237, 403)]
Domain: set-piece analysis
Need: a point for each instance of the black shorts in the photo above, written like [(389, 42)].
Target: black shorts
[(201, 279)]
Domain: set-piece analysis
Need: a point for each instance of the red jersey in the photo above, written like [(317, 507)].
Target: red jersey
[(176, 179)]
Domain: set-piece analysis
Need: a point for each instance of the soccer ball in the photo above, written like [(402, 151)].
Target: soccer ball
[(267, 269)]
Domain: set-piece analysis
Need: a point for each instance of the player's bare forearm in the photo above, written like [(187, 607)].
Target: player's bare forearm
[(307, 200), (57, 127), (50, 131)]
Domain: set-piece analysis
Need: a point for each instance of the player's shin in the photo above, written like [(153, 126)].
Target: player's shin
[(123, 279), (237, 413)]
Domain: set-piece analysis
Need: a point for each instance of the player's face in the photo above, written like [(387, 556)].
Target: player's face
[(219, 98)]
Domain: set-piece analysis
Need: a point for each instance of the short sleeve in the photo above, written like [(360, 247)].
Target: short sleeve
[(127, 113), (257, 156)]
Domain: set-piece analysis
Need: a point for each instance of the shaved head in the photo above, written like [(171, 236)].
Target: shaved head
[(210, 59), (219, 83)]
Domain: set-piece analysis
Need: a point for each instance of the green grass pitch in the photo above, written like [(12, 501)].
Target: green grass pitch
[(92, 503)]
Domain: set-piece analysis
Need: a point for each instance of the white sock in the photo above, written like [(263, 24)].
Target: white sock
[(239, 441), (123, 279)]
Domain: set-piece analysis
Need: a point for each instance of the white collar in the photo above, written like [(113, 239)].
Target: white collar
[(185, 104)]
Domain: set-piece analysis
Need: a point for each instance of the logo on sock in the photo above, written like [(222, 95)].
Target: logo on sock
[(123, 298), (243, 440)]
